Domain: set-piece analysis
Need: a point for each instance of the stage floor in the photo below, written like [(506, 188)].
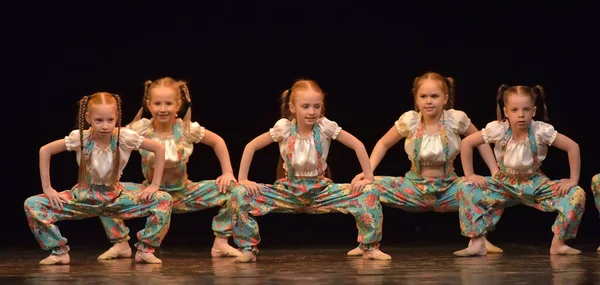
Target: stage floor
[(411, 264)]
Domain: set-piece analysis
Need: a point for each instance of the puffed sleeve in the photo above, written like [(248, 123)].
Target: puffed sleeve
[(329, 128), (73, 141), (281, 130), (130, 140), (140, 126), (544, 132), (407, 123), (194, 134), (494, 131), (457, 120)]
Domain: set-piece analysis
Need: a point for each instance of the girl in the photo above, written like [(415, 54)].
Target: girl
[(304, 136), (432, 143), (102, 154), (164, 98), (521, 145)]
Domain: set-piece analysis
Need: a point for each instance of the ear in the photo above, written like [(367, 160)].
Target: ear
[(179, 102), (446, 97), (534, 110), (504, 110), (87, 118), (148, 103), (292, 109)]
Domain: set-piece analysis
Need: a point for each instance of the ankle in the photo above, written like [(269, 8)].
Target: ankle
[(220, 241)]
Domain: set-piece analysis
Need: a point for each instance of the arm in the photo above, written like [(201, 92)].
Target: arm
[(159, 160), (386, 142), (256, 144), (46, 152), (218, 144), (352, 142), (572, 148), (466, 151), (485, 150)]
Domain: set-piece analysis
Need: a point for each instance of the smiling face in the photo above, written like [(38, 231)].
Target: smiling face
[(163, 103), (307, 106)]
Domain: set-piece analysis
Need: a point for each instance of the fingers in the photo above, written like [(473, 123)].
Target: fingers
[(56, 202), (222, 186)]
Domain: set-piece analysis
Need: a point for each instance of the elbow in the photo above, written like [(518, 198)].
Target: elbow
[(359, 147), (249, 147), (574, 148), (383, 145)]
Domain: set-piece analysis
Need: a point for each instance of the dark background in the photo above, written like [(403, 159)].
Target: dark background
[(238, 58)]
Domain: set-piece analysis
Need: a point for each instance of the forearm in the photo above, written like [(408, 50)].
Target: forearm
[(159, 166), (363, 158), (245, 163), (377, 155), (45, 170), (223, 156), (574, 164), (466, 157), (488, 157)]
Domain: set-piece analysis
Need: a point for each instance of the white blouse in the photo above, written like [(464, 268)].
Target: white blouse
[(102, 158), (304, 156), (518, 156), (172, 156), (432, 153)]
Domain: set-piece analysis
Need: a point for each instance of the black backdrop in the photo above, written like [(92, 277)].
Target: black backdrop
[(238, 59)]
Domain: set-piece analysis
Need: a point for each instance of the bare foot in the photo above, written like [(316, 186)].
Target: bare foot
[(246, 256), (146, 257), (56, 259), (376, 254), (118, 250)]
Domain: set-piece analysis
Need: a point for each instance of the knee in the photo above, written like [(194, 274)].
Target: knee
[(236, 200), (577, 196), (596, 183), (370, 189), (466, 191), (30, 203), (164, 200)]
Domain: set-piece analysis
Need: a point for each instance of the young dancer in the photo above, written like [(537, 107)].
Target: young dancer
[(432, 141), (164, 98), (304, 136), (521, 145), (102, 154)]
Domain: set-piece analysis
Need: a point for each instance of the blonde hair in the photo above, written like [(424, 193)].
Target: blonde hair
[(446, 85), (288, 96), (85, 105), (181, 89)]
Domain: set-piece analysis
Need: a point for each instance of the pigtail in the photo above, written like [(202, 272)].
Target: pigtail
[(139, 114), (83, 173), (451, 93), (540, 96), (185, 92), (285, 104), (500, 101), (117, 154), (414, 92)]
